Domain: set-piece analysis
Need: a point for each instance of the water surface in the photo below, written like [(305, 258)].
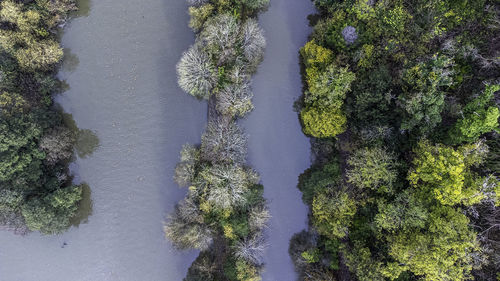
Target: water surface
[(277, 148), (120, 69)]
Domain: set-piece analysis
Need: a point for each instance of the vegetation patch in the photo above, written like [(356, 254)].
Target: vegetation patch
[(401, 100), (224, 212)]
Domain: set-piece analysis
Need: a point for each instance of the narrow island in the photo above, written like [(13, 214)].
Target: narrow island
[(224, 212)]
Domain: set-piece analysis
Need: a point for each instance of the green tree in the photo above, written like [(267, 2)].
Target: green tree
[(445, 173), (423, 96), (333, 212), (479, 116), (442, 251), (373, 168), (52, 213)]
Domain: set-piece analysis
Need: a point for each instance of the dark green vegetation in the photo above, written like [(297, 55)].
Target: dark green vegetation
[(400, 99), (35, 189), (224, 212)]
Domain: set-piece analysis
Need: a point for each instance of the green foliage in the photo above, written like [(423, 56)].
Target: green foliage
[(316, 180), (199, 15), (51, 214), (332, 213), (479, 117), (34, 145), (323, 122), (423, 99), (373, 168), (311, 255), (445, 173), (444, 251), (407, 102)]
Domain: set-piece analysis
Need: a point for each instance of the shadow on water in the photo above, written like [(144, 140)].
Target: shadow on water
[(70, 61), (85, 207), (86, 140), (86, 143), (83, 8)]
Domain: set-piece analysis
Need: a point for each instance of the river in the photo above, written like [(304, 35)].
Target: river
[(120, 70), (123, 88), (277, 148)]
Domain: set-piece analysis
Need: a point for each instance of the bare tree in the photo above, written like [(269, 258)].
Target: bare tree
[(57, 144), (220, 37), (223, 143), (235, 99), (251, 249), (185, 169), (253, 41), (258, 218), (186, 229), (228, 184), (196, 73)]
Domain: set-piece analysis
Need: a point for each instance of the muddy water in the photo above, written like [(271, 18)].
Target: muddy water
[(277, 148), (120, 68)]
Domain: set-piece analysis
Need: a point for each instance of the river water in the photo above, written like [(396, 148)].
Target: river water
[(277, 148), (121, 74), (120, 68)]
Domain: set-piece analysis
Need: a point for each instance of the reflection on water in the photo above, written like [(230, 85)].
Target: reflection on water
[(83, 8), (86, 140), (86, 143), (70, 61), (85, 207)]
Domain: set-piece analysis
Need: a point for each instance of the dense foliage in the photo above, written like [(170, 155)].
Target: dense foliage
[(401, 100), (35, 146), (224, 212)]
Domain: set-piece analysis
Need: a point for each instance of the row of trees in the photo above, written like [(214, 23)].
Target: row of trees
[(400, 100), (224, 212), (35, 189)]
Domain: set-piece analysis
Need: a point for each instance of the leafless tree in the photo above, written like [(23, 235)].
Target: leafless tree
[(251, 249), (253, 41), (223, 142), (196, 73), (220, 37)]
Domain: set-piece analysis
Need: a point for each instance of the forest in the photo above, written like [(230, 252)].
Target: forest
[(400, 101), (36, 193), (224, 213)]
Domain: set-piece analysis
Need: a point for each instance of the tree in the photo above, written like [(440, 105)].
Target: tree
[(235, 99), (479, 116), (445, 173), (186, 227), (329, 88), (57, 144), (225, 186), (332, 213), (51, 214), (219, 38), (442, 251), (223, 142), (316, 180), (186, 168), (196, 73), (323, 122), (253, 41), (373, 168), (423, 98)]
